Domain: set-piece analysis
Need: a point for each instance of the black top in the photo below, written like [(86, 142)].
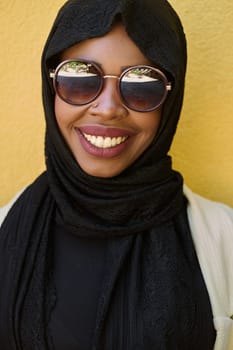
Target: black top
[(79, 272), (79, 268)]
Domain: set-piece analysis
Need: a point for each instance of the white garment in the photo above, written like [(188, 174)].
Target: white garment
[(4, 210), (211, 225)]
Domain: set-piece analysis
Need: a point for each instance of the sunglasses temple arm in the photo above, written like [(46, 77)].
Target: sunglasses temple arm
[(52, 74), (169, 87)]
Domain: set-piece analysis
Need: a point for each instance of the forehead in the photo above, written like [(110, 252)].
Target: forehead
[(115, 49)]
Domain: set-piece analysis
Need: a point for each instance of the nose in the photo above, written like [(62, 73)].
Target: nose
[(108, 104)]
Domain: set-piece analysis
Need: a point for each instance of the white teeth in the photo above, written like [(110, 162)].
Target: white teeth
[(93, 139), (107, 142), (104, 142), (114, 141), (99, 142), (118, 140)]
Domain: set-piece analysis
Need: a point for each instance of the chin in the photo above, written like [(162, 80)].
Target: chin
[(102, 172)]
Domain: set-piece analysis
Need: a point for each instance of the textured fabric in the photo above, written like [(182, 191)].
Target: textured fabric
[(81, 198), (4, 210), (81, 263), (212, 230), (24, 271), (135, 211)]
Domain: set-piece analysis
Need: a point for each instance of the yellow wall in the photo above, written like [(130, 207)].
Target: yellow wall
[(203, 147)]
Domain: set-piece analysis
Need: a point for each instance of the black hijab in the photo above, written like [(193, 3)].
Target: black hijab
[(134, 210), (82, 199)]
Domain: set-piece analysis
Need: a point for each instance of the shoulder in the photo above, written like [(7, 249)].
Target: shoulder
[(4, 210), (209, 214), (32, 193), (211, 225)]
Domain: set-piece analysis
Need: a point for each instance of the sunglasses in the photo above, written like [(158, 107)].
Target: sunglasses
[(79, 82)]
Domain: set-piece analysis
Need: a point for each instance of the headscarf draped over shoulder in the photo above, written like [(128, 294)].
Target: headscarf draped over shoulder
[(130, 210)]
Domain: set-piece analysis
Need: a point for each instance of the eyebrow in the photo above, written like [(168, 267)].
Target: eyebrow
[(122, 68)]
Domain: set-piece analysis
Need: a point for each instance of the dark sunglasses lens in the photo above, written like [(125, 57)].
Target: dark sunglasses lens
[(143, 88), (78, 82)]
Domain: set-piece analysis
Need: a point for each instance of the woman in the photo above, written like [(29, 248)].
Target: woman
[(100, 252)]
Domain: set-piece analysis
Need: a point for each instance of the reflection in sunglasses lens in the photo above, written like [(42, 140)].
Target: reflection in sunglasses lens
[(142, 89), (78, 82)]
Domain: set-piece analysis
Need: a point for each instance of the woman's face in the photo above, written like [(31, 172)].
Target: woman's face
[(115, 136)]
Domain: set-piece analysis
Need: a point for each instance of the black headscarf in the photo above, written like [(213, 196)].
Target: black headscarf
[(82, 199), (132, 210)]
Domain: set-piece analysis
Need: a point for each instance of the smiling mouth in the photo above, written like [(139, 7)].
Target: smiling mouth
[(104, 142)]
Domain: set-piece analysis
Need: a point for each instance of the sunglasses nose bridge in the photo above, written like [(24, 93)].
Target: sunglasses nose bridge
[(109, 101), (110, 76), (109, 87)]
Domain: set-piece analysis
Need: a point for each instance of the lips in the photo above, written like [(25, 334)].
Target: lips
[(103, 142), (97, 130)]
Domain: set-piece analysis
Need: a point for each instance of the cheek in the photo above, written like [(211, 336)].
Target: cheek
[(150, 124), (65, 114), (62, 112)]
